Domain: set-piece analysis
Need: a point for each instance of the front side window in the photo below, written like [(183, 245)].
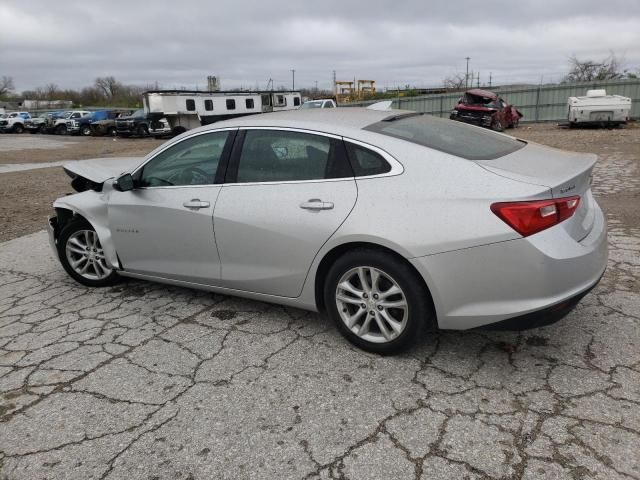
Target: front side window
[(231, 104), (191, 105), (193, 161), (281, 156)]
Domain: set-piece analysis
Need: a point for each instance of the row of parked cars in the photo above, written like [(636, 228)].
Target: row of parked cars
[(111, 122)]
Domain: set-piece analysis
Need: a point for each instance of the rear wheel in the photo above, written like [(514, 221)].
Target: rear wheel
[(61, 130), (111, 131), (86, 130), (142, 131), (377, 301), (82, 256)]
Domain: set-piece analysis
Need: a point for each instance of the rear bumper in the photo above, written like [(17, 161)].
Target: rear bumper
[(518, 278)]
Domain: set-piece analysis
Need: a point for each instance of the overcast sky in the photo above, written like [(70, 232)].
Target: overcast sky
[(417, 42)]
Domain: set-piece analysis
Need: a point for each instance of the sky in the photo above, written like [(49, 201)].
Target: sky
[(245, 43)]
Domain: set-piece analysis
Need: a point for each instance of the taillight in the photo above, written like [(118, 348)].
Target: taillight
[(531, 217)]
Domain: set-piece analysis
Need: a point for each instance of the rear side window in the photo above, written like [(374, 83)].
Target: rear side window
[(448, 136), (283, 156), (191, 105), (366, 162)]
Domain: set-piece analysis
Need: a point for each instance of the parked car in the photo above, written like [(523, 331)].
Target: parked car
[(82, 125), (13, 121), (135, 124), (598, 108), (107, 126), (37, 124), (160, 128), (389, 221), (485, 108), (323, 103), (58, 123)]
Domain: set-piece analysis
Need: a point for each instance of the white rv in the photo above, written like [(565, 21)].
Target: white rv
[(190, 109), (598, 108)]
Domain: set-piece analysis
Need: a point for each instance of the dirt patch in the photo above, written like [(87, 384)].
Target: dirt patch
[(77, 148)]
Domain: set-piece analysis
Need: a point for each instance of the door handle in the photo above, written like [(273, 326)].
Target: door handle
[(196, 203), (316, 204)]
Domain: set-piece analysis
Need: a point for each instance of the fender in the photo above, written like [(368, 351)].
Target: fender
[(93, 207)]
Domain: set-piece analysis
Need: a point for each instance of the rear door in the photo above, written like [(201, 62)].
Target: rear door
[(285, 194)]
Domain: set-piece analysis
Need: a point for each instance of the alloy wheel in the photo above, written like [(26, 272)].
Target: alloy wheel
[(372, 304), (85, 255)]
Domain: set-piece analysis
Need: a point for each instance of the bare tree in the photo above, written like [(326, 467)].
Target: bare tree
[(108, 85), (589, 70), (6, 85), (456, 81)]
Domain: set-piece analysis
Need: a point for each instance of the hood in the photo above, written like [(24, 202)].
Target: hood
[(97, 170)]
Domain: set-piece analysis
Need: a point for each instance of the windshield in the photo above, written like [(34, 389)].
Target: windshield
[(317, 104), (455, 138), (138, 113)]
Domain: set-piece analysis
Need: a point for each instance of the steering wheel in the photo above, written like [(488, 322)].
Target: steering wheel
[(194, 176)]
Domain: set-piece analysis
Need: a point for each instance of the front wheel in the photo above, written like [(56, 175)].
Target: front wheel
[(82, 256), (18, 128), (377, 301), (85, 130)]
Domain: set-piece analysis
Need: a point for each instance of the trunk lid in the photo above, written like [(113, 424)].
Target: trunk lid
[(564, 173)]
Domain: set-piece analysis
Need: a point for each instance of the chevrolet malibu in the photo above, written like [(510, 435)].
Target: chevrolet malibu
[(393, 222)]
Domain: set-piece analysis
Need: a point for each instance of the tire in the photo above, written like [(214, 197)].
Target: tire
[(18, 128), (496, 126), (365, 307), (142, 131), (61, 130), (111, 131), (85, 131), (42, 129), (79, 242)]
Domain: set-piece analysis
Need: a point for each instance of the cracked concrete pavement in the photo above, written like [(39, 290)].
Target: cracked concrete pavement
[(145, 381)]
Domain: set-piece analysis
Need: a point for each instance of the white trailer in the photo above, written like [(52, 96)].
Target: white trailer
[(185, 110), (598, 108)]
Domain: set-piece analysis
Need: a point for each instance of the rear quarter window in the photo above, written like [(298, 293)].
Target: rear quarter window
[(365, 162), (455, 138)]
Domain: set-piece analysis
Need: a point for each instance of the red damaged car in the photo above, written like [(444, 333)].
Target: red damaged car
[(485, 108)]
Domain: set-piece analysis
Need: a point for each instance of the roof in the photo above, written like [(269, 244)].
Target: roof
[(326, 119), (482, 93)]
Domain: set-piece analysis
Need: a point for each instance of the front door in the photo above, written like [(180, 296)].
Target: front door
[(286, 193), (164, 227)]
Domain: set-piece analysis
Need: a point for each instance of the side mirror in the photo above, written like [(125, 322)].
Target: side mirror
[(124, 183)]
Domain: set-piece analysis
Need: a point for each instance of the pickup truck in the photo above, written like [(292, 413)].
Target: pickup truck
[(58, 125), (82, 125), (13, 121), (322, 103), (39, 123), (135, 124)]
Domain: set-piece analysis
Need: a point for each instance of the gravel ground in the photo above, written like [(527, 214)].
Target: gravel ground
[(143, 381)]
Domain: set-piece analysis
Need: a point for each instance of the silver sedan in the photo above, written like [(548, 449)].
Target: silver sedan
[(392, 222)]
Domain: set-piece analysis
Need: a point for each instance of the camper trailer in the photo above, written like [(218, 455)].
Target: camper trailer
[(185, 110), (598, 108)]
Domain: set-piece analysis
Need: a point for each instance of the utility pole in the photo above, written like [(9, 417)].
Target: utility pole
[(293, 79), (490, 79), (478, 84), (466, 77), (335, 89), (316, 85)]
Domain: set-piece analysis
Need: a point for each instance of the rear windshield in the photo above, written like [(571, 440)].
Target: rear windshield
[(472, 143)]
